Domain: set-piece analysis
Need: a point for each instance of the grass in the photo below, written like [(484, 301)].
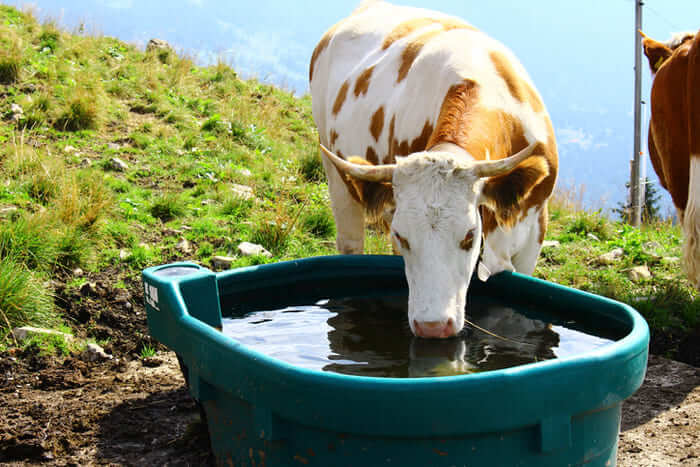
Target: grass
[(187, 134)]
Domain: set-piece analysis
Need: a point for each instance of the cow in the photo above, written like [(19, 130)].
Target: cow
[(433, 128), (674, 133)]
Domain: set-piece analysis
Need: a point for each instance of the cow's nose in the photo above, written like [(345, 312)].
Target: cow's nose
[(434, 329)]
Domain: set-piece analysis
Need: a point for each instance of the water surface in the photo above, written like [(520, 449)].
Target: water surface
[(371, 337)]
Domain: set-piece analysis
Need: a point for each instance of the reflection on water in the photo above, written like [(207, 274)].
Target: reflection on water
[(371, 337)]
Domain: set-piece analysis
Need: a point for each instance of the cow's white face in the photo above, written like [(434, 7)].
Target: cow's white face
[(437, 228)]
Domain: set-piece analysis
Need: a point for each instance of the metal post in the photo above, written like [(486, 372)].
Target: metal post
[(636, 190)]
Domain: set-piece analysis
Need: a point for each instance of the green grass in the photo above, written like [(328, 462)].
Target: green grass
[(147, 351), (188, 133)]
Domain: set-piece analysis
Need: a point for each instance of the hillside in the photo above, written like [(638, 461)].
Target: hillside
[(114, 159)]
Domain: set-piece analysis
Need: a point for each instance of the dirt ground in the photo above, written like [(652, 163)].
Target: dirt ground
[(131, 411)]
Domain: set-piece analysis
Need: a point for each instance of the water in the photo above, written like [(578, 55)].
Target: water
[(371, 337)]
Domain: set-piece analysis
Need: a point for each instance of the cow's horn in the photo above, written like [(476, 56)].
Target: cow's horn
[(503, 166), (370, 173)]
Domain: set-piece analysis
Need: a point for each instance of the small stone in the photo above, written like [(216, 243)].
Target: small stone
[(184, 246), (611, 256), (158, 44), (245, 172), (113, 146), (550, 244), (172, 232), (7, 210), (94, 352), (222, 262), (118, 164), (84, 163), (592, 236), (207, 202), (124, 254), (639, 273), (16, 109), (242, 191), (670, 260), (251, 249), (24, 332), (77, 272), (69, 149)]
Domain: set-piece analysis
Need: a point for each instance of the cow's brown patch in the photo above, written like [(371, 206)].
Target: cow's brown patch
[(320, 47), (334, 137), (405, 29), (494, 134), (340, 98), (406, 147), (413, 48), (518, 88), (377, 123), (362, 83), (371, 156)]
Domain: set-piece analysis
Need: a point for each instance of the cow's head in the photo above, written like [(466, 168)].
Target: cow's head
[(659, 52), (437, 228)]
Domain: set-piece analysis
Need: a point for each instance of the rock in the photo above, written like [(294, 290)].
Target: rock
[(639, 273), (592, 236), (155, 45), (245, 172), (242, 191), (113, 146), (151, 362), (26, 332), (611, 256), (94, 352), (124, 254), (84, 163), (670, 260), (207, 202), (17, 112), (547, 244), (184, 246), (7, 210), (77, 272), (69, 149), (251, 249), (172, 232), (88, 288), (222, 262), (118, 164)]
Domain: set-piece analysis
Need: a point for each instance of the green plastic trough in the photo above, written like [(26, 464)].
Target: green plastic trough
[(262, 411)]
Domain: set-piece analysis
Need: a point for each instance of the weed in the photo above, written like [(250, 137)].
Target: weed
[(147, 351), (311, 167), (46, 345), (319, 222)]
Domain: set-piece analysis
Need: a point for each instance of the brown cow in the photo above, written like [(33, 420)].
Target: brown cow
[(674, 133)]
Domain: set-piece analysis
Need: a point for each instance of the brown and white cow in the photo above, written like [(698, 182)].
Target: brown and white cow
[(674, 133), (391, 81)]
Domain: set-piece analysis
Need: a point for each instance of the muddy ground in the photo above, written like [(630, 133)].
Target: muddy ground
[(133, 411)]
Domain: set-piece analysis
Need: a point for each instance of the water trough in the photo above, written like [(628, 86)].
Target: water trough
[(263, 411)]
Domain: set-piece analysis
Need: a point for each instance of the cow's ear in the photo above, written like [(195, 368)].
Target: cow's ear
[(503, 194), (657, 53)]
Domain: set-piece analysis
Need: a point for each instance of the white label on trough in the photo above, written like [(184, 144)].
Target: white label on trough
[(151, 294)]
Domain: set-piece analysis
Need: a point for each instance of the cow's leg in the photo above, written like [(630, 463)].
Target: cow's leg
[(691, 225), (348, 213), (525, 259)]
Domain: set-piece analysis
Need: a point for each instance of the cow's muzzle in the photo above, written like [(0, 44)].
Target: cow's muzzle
[(435, 329)]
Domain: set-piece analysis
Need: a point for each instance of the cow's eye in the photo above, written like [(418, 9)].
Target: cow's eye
[(404, 243), (468, 241)]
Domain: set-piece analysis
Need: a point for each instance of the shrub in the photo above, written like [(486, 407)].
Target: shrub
[(28, 241), (9, 69), (80, 112), (24, 299), (319, 222), (311, 167), (167, 207)]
